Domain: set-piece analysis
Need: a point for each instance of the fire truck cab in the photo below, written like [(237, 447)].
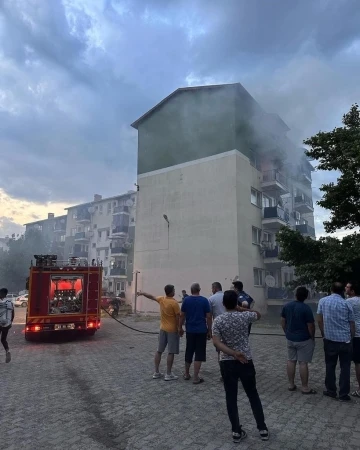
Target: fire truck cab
[(63, 296)]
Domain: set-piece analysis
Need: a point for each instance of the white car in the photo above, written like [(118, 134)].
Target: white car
[(22, 301)]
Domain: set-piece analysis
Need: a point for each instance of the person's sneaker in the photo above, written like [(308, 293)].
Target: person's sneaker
[(264, 434), (8, 357), (237, 437), (157, 375), (329, 394), (170, 377), (345, 398)]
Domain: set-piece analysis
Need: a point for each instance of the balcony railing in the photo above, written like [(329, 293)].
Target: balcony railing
[(304, 199), (121, 209), (274, 175), (118, 250), (83, 216), (59, 229), (272, 252), (274, 212), (306, 229), (116, 271), (82, 236), (279, 293), (79, 254), (120, 229)]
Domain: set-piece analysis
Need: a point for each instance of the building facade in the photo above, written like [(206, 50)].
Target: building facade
[(104, 230), (217, 178), (53, 230)]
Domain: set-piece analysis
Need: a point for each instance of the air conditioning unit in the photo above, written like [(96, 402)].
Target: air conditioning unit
[(297, 215)]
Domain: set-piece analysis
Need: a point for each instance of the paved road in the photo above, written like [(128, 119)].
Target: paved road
[(98, 394)]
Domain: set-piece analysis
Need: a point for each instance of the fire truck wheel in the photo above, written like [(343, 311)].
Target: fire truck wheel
[(29, 337), (90, 332)]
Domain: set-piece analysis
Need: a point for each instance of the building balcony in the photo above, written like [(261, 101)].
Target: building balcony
[(117, 272), (279, 293), (83, 217), (274, 218), (305, 176), (118, 251), (78, 254), (121, 210), (60, 229), (306, 230), (271, 258), (273, 180), (120, 230), (303, 204), (83, 236)]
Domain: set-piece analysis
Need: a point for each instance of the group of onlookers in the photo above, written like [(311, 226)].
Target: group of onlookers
[(226, 318), (339, 323)]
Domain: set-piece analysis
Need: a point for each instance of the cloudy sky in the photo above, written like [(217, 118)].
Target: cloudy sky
[(76, 73)]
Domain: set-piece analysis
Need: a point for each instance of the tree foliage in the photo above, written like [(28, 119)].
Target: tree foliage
[(15, 263), (340, 150), (321, 261)]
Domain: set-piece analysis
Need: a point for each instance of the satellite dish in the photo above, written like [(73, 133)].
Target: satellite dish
[(129, 203), (269, 281)]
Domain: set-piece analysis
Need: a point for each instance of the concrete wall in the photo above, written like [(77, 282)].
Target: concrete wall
[(207, 203)]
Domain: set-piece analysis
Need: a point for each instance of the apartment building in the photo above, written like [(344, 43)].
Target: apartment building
[(217, 178), (53, 230), (103, 230)]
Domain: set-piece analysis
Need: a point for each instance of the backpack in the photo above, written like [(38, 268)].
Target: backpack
[(6, 309)]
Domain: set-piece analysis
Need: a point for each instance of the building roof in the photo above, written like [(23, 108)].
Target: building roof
[(101, 200), (45, 220), (176, 92)]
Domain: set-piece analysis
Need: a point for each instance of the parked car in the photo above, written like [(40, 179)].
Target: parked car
[(22, 301), (12, 297)]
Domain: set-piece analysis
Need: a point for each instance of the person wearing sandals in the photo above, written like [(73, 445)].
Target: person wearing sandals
[(353, 292), (168, 335), (195, 311), (298, 323), (230, 336)]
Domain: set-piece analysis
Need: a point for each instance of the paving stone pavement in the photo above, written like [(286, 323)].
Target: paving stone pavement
[(98, 393)]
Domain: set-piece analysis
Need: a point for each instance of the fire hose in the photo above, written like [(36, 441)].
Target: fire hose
[(156, 332)]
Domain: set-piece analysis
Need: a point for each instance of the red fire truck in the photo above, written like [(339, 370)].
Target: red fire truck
[(63, 296)]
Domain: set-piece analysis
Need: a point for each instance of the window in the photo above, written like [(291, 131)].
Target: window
[(79, 229), (73, 231), (267, 237), (74, 215), (107, 233), (62, 238), (99, 234), (98, 253), (95, 226), (94, 245), (114, 204), (266, 201), (107, 252), (110, 284), (132, 220), (100, 209), (256, 235), (109, 208), (122, 286), (255, 197), (86, 248), (258, 277), (105, 271)]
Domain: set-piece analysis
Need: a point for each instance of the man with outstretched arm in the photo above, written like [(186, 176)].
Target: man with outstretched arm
[(230, 336), (168, 335), (6, 320)]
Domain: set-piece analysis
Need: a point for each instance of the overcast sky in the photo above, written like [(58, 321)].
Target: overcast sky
[(75, 73)]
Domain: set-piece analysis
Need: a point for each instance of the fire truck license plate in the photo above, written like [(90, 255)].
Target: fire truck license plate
[(66, 326)]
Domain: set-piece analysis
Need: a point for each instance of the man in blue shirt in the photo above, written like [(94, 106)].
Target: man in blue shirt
[(337, 325), (297, 321), (244, 299), (195, 310)]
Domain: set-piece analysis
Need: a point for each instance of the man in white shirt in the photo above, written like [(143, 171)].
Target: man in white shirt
[(353, 292), (6, 320)]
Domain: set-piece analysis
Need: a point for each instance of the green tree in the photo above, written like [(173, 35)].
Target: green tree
[(330, 259), (340, 150), (15, 263)]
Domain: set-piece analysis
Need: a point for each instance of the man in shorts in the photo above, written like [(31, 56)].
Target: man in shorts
[(169, 335), (195, 310), (353, 292), (297, 321)]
